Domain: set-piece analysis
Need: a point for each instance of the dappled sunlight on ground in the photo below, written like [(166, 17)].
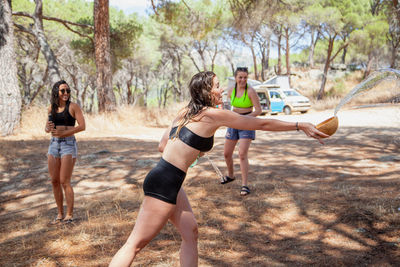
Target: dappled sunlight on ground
[(322, 205)]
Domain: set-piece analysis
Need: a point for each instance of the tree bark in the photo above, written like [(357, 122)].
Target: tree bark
[(253, 53), (312, 48), (279, 71), (10, 96), (321, 92), (287, 54), (105, 92), (369, 66), (38, 30), (329, 59)]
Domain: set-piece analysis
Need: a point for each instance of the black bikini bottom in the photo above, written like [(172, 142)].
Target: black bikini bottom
[(164, 182)]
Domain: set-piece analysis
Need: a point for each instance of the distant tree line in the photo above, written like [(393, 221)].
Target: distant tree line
[(110, 58)]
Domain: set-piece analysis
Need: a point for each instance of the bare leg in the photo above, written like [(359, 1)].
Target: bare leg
[(229, 147), (67, 165), (54, 171), (184, 220), (244, 145), (152, 217)]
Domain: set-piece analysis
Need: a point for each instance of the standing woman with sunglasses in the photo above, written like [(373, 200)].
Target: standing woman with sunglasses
[(63, 149), (244, 101)]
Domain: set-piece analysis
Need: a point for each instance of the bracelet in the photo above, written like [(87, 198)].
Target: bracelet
[(297, 126)]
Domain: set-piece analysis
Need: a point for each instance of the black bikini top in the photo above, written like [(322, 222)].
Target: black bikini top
[(203, 144), (63, 118)]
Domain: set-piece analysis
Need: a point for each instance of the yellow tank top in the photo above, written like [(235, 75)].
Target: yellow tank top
[(241, 102)]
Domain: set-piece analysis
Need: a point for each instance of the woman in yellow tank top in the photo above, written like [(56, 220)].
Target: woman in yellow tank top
[(245, 101)]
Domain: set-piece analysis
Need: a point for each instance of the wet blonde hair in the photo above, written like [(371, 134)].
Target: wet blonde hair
[(200, 88)]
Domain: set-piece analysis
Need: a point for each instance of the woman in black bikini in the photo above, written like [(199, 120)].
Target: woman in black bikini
[(62, 153), (190, 135)]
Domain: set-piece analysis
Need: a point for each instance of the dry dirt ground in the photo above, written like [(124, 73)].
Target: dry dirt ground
[(336, 204)]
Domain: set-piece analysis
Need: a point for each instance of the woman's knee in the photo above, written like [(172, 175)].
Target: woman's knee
[(243, 155), (65, 183), (55, 181), (191, 233), (228, 154), (136, 246)]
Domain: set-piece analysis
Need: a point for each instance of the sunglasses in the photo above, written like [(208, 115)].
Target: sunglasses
[(63, 91), (242, 69)]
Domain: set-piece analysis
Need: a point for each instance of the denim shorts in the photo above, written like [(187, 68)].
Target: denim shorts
[(61, 146), (235, 134)]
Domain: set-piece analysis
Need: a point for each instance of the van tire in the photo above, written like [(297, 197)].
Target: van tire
[(287, 110)]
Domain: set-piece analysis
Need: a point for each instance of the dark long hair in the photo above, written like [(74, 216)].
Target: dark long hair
[(55, 101), (200, 91), (240, 69)]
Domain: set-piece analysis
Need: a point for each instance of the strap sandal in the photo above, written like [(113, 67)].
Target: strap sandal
[(226, 179), (70, 220), (244, 191), (56, 221)]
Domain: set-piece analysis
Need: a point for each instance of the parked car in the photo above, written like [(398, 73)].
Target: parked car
[(274, 100), (295, 102), (275, 96)]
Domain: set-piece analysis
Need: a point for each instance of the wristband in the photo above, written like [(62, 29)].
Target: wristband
[(297, 126)]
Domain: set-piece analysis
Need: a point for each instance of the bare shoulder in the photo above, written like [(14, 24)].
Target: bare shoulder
[(74, 106), (217, 114), (251, 90)]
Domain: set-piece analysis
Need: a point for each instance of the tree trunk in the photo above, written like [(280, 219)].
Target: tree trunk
[(214, 56), (321, 92), (395, 42), (105, 92), (312, 49), (47, 52), (343, 61), (254, 62), (268, 54), (279, 71), (129, 97), (287, 54), (369, 66), (10, 96), (265, 51)]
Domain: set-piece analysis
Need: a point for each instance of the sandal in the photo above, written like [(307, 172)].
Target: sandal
[(56, 221), (70, 220), (226, 179), (245, 190)]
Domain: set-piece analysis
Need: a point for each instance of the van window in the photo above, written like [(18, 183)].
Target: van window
[(291, 93), (275, 95), (262, 96)]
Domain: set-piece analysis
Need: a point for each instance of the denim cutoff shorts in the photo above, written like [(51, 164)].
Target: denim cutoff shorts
[(235, 134), (61, 146)]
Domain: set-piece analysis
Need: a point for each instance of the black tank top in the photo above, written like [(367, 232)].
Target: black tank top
[(63, 118), (203, 144)]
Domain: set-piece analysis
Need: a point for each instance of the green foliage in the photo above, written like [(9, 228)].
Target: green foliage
[(338, 89), (203, 17), (371, 38), (154, 44), (124, 33)]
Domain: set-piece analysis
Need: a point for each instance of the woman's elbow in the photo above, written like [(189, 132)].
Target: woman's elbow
[(82, 127), (160, 148), (257, 112)]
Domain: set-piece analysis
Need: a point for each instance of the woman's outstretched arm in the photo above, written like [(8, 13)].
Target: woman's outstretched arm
[(233, 120)]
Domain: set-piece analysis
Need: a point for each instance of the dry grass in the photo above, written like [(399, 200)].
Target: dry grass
[(337, 89), (311, 205), (124, 121)]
